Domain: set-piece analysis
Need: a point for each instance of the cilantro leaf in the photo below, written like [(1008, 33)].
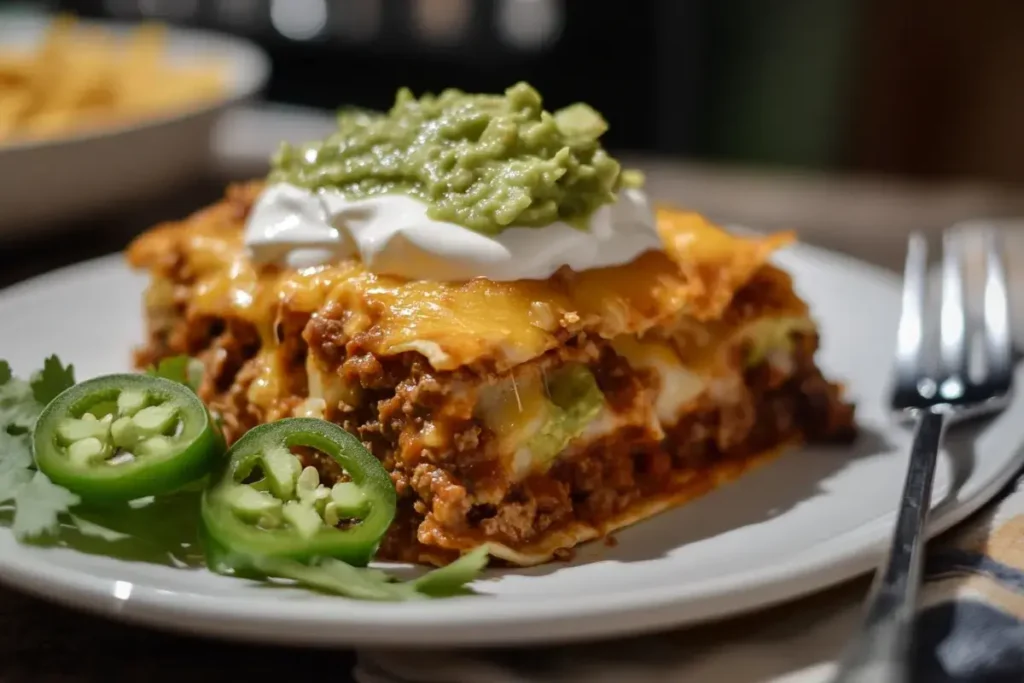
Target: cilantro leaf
[(182, 369), (15, 452), (18, 407), (38, 502), (53, 379), (18, 412), (38, 507), (452, 579), (364, 583), (334, 576), (11, 483)]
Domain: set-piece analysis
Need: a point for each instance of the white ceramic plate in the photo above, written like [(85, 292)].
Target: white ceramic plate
[(53, 180), (810, 519)]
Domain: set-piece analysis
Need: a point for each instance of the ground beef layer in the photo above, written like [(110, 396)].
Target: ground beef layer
[(454, 490)]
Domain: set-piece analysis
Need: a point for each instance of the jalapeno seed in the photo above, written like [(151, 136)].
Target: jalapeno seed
[(71, 430), (304, 519), (282, 469), (143, 432), (293, 495), (254, 506), (348, 499), (130, 402)]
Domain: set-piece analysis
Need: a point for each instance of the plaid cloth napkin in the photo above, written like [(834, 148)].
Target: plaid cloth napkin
[(970, 630)]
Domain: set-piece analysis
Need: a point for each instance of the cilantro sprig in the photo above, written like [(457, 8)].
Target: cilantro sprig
[(334, 576), (37, 503), (44, 512)]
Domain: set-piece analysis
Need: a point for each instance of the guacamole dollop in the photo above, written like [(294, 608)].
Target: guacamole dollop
[(486, 162)]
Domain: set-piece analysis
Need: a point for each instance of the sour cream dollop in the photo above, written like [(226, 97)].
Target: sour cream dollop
[(393, 235)]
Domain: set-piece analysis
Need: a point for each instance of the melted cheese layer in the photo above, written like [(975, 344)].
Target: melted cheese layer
[(454, 324)]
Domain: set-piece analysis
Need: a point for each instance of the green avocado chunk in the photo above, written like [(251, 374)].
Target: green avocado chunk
[(575, 401)]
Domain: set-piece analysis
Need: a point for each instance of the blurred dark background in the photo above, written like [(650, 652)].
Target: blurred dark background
[(914, 88)]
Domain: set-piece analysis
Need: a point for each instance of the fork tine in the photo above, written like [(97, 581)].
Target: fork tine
[(998, 337), (953, 313), (910, 336)]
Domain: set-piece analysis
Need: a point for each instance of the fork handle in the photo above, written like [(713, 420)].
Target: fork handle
[(880, 653)]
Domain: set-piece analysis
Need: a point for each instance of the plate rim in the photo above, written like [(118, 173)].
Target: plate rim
[(467, 622)]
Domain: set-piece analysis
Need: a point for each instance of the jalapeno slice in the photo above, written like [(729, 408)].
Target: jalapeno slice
[(266, 504), (122, 437)]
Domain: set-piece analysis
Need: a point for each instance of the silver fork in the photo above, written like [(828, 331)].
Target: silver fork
[(935, 395)]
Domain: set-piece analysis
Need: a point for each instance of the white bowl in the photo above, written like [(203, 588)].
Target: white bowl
[(46, 182)]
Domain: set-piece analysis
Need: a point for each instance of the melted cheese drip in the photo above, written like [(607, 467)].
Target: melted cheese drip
[(514, 410), (454, 324)]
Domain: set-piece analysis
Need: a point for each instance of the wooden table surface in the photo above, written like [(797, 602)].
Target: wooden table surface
[(43, 642)]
